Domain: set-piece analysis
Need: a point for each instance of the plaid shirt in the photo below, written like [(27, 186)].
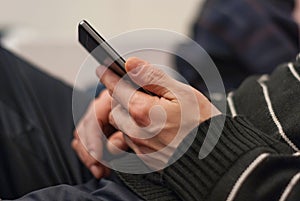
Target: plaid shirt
[(244, 37)]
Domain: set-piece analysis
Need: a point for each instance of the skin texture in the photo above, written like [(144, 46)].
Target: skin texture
[(152, 126), (87, 141), (296, 12)]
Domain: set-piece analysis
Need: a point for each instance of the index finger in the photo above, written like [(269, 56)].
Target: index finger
[(120, 88), (107, 77)]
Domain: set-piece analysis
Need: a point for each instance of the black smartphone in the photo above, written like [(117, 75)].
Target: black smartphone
[(95, 44)]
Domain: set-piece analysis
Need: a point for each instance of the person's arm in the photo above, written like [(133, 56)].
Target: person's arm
[(264, 164), (245, 164)]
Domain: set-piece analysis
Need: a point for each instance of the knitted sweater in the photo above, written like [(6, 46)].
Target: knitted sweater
[(256, 157)]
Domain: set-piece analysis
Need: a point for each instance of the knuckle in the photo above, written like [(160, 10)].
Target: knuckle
[(140, 115), (139, 108), (137, 141), (142, 142), (152, 75)]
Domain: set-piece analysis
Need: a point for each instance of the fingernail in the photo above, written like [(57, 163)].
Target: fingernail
[(137, 69)]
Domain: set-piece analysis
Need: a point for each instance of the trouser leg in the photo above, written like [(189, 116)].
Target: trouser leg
[(36, 126)]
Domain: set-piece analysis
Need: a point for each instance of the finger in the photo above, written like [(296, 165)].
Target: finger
[(107, 77), (97, 170), (120, 89), (116, 143), (138, 135), (113, 82), (84, 156), (150, 78), (102, 107), (137, 103), (89, 134), (120, 118), (75, 134), (93, 135), (132, 145)]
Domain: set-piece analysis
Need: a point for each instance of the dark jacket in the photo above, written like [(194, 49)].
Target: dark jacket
[(243, 37)]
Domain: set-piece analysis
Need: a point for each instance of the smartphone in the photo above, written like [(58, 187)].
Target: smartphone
[(95, 44)]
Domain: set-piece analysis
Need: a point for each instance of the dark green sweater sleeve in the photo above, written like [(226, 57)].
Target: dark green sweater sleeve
[(214, 177)]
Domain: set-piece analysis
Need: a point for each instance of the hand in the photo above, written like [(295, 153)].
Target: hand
[(87, 140), (154, 125)]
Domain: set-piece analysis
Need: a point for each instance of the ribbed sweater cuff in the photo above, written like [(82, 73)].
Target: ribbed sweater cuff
[(238, 138)]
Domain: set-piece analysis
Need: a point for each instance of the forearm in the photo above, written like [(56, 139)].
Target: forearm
[(236, 168)]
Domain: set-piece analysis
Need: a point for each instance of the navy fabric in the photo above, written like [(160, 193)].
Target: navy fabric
[(36, 129), (243, 37), (107, 189), (113, 189)]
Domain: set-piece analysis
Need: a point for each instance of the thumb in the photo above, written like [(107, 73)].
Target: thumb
[(150, 78)]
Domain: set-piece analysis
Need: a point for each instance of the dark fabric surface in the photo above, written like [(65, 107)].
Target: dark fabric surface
[(36, 129), (243, 37), (107, 189)]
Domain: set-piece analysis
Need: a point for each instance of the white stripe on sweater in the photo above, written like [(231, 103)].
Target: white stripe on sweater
[(289, 187), (296, 154), (231, 104), (293, 71), (244, 176), (272, 113)]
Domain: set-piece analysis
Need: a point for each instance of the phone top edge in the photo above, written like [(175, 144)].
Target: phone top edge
[(101, 40), (92, 31), (102, 44)]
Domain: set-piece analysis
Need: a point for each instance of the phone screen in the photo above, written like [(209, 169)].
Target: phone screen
[(100, 49)]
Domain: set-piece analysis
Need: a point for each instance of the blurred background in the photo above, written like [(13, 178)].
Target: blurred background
[(45, 32)]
